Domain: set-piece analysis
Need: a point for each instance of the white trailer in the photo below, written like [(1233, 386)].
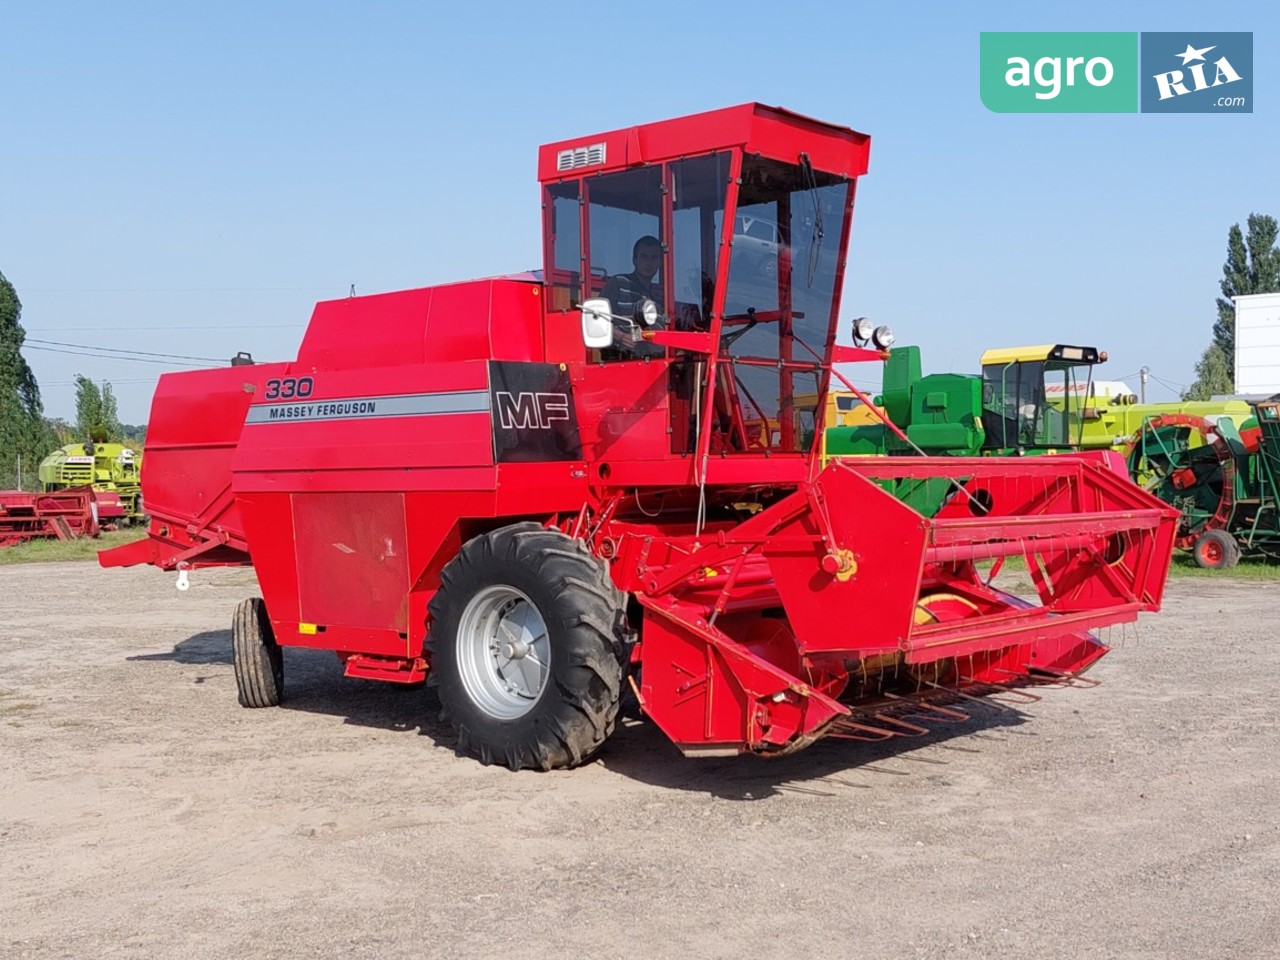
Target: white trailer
[(1257, 359)]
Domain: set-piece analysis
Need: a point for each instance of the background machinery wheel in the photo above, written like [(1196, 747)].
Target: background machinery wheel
[(527, 648), (258, 659), (1181, 458), (1216, 550)]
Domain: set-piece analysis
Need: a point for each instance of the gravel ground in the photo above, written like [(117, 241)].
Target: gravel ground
[(143, 813)]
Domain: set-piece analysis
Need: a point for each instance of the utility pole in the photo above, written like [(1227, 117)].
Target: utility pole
[(1143, 374)]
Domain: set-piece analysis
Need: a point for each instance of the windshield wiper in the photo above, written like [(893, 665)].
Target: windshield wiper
[(815, 240)]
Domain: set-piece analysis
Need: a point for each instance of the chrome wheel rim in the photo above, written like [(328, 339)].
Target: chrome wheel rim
[(504, 653)]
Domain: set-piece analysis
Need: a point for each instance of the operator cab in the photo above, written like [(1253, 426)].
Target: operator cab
[(751, 208), (1037, 397)]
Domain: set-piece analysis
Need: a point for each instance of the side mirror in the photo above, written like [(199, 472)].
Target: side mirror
[(597, 324)]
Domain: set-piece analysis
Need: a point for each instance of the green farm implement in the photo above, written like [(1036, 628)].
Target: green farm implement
[(1222, 479), (109, 468)]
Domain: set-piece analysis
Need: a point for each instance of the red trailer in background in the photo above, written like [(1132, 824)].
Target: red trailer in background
[(534, 489), (61, 515)]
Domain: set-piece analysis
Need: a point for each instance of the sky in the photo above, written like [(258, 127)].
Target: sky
[(188, 179)]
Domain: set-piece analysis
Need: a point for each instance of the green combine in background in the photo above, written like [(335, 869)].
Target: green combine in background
[(1041, 399), (1214, 460), (108, 467)]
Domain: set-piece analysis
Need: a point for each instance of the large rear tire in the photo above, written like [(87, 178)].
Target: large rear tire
[(258, 659), (527, 648), (1216, 550)]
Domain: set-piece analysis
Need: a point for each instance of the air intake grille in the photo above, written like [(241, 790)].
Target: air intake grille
[(576, 157)]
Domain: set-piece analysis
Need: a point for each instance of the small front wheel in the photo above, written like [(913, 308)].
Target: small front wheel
[(258, 659), (1216, 550)]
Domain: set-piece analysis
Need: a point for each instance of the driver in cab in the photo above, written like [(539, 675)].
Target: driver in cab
[(627, 291)]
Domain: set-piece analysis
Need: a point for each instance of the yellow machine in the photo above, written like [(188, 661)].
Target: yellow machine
[(104, 466), (846, 410)]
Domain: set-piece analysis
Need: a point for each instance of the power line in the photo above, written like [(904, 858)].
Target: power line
[(172, 289), (113, 381), (1169, 385), (141, 353), (107, 356), (206, 326)]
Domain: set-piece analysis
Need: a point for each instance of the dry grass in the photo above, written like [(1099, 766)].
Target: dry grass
[(47, 550)]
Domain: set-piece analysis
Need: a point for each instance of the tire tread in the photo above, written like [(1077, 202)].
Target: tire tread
[(589, 613), (256, 657)]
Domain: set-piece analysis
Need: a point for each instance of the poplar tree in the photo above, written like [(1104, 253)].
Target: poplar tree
[(1252, 266), (96, 416), (23, 432)]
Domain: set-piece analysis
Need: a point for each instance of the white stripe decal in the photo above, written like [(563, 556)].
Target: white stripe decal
[(362, 408)]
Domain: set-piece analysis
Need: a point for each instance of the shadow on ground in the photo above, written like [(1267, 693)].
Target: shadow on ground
[(314, 683), (637, 750), (213, 646)]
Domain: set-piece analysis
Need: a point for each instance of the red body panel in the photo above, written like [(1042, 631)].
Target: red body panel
[(623, 409), (195, 424), (498, 319)]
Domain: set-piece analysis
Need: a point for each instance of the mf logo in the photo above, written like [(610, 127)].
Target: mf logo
[(529, 410), (1197, 73)]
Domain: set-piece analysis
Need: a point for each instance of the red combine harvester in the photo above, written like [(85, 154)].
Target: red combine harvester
[(535, 489)]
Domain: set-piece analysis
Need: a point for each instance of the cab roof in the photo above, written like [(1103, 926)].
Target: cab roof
[(771, 131), (1045, 351)]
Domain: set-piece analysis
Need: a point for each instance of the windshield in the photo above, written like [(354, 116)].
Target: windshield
[(1034, 403), (779, 301), (1067, 389), (657, 233), (698, 187)]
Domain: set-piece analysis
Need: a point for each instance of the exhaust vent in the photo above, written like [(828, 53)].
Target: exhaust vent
[(576, 157)]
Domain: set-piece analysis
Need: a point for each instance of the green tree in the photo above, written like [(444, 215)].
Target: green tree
[(134, 434), (88, 408), (110, 416), (1252, 266), (1213, 375), (63, 432), (24, 437), (96, 417)]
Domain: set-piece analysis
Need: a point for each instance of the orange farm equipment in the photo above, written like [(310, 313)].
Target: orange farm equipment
[(61, 515), (533, 495)]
